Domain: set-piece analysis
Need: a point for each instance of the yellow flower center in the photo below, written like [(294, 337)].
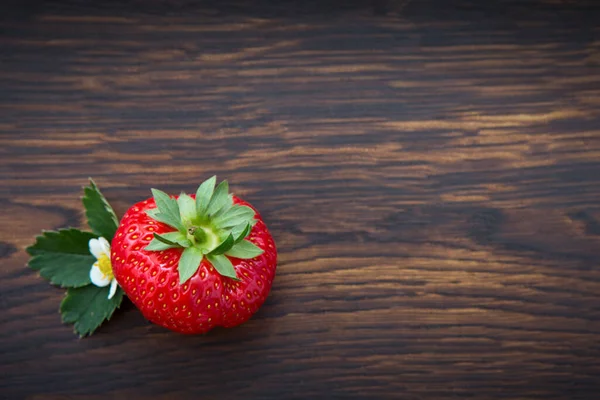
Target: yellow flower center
[(105, 266)]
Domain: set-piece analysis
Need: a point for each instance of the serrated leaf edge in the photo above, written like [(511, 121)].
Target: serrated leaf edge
[(36, 256)]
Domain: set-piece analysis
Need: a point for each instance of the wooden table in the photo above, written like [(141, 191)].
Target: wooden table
[(430, 171)]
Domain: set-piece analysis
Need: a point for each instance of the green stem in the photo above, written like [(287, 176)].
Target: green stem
[(196, 235), (203, 237)]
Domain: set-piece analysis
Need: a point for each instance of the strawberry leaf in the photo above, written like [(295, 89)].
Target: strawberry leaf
[(63, 257), (240, 235), (155, 214), (100, 215), (187, 208), (235, 216), (204, 194), (88, 307), (169, 209), (189, 263), (223, 265), (245, 250), (224, 246), (175, 239), (225, 208), (219, 198), (157, 245)]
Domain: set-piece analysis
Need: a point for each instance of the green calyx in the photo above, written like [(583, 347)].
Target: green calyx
[(209, 226)]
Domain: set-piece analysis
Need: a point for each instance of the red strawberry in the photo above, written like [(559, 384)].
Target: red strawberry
[(194, 262)]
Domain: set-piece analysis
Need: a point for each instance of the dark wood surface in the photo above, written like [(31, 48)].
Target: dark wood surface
[(430, 171)]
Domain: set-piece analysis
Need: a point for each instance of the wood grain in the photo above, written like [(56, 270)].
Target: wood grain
[(429, 170)]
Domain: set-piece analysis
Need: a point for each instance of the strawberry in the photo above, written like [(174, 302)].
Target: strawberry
[(191, 263)]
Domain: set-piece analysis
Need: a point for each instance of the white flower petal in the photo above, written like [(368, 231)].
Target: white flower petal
[(97, 277), (96, 248), (113, 289), (105, 246)]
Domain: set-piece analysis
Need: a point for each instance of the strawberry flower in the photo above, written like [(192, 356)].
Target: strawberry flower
[(101, 273)]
